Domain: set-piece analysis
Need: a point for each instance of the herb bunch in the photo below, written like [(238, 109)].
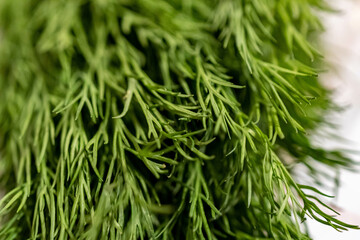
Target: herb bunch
[(143, 119)]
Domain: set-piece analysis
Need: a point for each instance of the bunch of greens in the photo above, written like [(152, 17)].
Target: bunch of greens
[(144, 119)]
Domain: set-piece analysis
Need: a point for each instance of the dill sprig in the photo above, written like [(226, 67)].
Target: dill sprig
[(160, 119)]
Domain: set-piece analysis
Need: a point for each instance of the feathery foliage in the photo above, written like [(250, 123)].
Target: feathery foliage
[(143, 119)]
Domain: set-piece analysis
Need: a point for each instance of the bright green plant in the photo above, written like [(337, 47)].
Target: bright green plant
[(144, 119)]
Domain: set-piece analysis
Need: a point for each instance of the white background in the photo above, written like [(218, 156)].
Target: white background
[(342, 47)]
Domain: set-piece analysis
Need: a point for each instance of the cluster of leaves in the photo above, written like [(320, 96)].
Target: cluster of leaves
[(143, 119)]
